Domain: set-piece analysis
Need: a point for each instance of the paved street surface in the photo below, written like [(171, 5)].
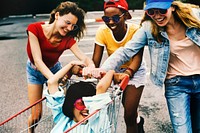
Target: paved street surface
[(13, 87)]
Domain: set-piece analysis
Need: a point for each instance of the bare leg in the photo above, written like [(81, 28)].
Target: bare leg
[(130, 101), (34, 94)]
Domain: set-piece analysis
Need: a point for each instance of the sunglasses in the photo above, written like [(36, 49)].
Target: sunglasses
[(68, 23), (115, 18), (152, 12), (79, 105)]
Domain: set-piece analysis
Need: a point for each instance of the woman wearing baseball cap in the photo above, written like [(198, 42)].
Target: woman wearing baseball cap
[(171, 29), (116, 33)]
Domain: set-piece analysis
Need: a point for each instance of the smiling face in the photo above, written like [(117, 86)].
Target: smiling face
[(79, 111), (160, 17), (66, 23), (80, 114), (112, 12)]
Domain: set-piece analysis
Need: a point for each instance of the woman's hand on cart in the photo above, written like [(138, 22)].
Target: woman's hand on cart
[(118, 77), (77, 70), (89, 72), (121, 79)]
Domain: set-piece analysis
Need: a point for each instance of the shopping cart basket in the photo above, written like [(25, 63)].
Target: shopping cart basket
[(18, 122), (112, 111)]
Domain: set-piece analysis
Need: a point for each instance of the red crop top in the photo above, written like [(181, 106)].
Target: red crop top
[(50, 53)]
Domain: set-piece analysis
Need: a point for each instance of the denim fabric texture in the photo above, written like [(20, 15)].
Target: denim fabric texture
[(183, 100), (182, 92), (36, 77), (139, 78), (159, 52)]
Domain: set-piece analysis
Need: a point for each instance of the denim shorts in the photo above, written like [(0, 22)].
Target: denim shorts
[(36, 77), (183, 100), (139, 78)]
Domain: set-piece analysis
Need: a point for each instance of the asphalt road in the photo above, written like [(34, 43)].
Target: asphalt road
[(13, 59)]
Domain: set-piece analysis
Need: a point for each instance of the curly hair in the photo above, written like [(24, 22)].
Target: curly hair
[(183, 14), (71, 7)]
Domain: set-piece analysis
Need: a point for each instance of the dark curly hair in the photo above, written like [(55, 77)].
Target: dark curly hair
[(74, 92)]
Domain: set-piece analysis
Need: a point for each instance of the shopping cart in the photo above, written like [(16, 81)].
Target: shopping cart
[(112, 111), (18, 122)]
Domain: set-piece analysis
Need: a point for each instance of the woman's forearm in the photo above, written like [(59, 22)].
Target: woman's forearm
[(43, 69), (105, 82), (53, 81), (114, 61), (89, 62)]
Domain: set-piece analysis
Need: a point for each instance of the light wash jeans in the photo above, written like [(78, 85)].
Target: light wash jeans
[(183, 99)]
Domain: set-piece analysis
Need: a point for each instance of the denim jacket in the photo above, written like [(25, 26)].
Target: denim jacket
[(159, 52)]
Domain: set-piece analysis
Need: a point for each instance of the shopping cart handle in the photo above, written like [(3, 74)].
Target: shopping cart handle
[(124, 83), (102, 73)]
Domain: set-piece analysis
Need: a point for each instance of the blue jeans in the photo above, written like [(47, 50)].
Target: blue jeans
[(183, 99), (34, 76)]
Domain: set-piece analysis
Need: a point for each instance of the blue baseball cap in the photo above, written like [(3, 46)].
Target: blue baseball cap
[(161, 4)]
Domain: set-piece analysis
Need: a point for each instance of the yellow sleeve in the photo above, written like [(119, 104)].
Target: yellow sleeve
[(100, 36)]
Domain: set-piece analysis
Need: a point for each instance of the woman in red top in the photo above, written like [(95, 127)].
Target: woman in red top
[(46, 43)]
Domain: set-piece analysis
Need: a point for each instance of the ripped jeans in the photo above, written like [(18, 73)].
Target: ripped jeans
[(183, 100)]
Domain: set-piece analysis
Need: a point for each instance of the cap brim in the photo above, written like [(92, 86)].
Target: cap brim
[(129, 15), (160, 5)]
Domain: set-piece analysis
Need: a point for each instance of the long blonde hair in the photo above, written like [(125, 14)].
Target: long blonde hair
[(183, 14)]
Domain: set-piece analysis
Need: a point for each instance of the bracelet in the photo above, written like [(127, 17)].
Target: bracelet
[(131, 72), (127, 72)]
